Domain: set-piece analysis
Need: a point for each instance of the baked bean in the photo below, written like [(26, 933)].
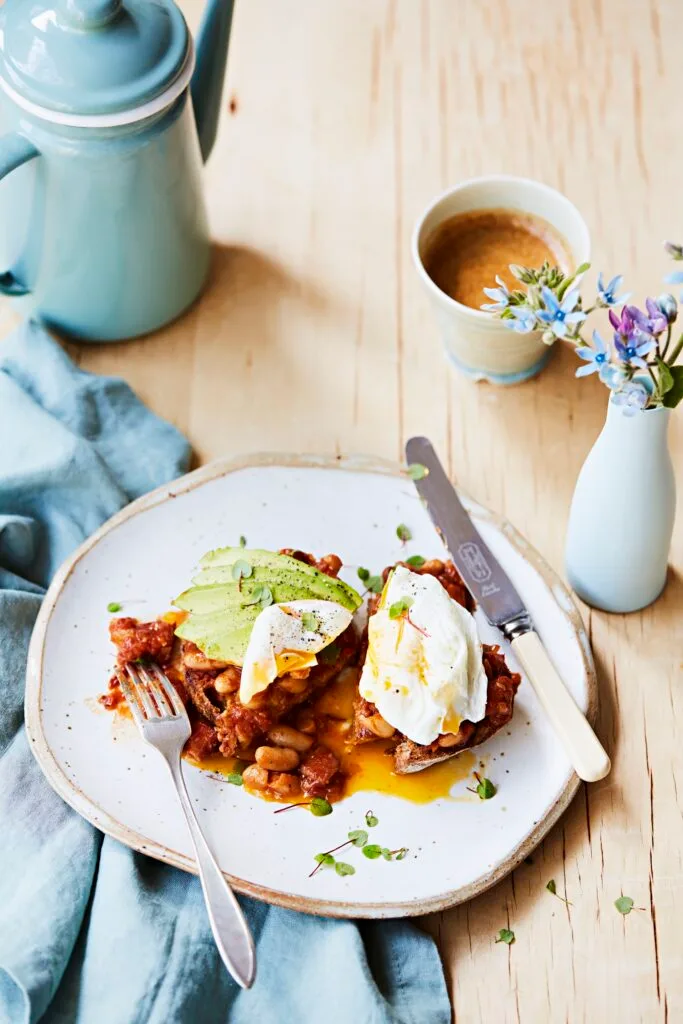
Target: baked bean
[(449, 739), (286, 736), (377, 725), (228, 681), (305, 722), (277, 759), (330, 564), (294, 682), (255, 777), (193, 658), (285, 785), (433, 566)]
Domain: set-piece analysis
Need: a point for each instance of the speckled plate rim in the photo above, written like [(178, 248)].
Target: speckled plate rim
[(89, 810)]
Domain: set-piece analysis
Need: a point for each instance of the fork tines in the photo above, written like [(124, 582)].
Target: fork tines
[(149, 692)]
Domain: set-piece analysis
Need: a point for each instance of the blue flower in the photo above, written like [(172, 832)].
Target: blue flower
[(501, 297), (597, 360), (632, 396), (558, 316), (632, 350), (675, 278), (607, 293), (523, 319)]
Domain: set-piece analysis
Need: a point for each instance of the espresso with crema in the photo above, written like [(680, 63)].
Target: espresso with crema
[(467, 251)]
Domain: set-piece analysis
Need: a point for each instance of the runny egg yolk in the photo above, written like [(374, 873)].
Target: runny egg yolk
[(286, 638)]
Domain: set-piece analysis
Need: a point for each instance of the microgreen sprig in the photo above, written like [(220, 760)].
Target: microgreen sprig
[(320, 807), (403, 533), (113, 607), (373, 584), (552, 888), (416, 471), (506, 936), (484, 789), (261, 595)]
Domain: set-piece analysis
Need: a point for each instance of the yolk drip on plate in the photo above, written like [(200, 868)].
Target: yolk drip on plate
[(369, 767)]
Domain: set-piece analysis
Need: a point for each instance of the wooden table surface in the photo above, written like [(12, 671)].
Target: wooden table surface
[(340, 121)]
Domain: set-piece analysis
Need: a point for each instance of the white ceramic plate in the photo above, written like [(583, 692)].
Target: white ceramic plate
[(146, 555)]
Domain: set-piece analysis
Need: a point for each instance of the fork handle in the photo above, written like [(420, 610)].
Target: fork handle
[(229, 927)]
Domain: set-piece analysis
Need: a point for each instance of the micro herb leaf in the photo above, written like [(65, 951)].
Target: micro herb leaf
[(416, 471), (506, 936), (400, 854), (235, 778), (372, 852), (415, 561), (320, 807), (344, 869), (400, 608), (358, 837), (552, 888), (241, 570), (262, 595), (370, 819), (243, 542), (363, 574), (403, 533), (624, 905), (387, 854), (375, 584), (113, 607), (309, 621), (329, 654), (485, 788), (324, 859)]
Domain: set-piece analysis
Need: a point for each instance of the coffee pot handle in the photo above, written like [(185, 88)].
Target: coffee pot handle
[(15, 150)]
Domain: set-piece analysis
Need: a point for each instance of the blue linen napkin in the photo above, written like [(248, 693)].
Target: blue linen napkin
[(91, 932)]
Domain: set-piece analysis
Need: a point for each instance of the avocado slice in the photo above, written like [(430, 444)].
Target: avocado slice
[(216, 567), (220, 617)]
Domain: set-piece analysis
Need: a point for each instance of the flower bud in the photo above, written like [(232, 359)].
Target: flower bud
[(523, 274), (674, 250), (668, 306)]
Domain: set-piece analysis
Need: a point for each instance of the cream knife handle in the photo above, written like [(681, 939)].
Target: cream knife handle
[(586, 753)]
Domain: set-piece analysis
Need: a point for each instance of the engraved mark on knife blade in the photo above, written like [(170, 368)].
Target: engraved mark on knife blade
[(474, 562)]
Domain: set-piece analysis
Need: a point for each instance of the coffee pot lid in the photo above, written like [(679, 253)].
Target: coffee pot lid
[(90, 58)]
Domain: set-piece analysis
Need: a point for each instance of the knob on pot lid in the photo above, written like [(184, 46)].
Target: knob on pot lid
[(91, 58)]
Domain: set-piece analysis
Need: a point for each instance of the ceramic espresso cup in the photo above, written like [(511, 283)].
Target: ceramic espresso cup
[(476, 342)]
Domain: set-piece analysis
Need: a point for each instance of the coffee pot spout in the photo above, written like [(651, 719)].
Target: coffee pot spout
[(207, 81)]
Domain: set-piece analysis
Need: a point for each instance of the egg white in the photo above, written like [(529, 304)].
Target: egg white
[(424, 671), (279, 643)]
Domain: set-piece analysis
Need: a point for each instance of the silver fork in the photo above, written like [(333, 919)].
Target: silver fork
[(161, 718)]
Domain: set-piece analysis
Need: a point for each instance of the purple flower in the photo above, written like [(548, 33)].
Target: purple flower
[(623, 325), (558, 316), (523, 319), (632, 396), (501, 297), (597, 359), (653, 323), (607, 293)]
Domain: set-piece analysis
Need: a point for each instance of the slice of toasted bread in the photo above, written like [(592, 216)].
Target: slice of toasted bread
[(409, 756)]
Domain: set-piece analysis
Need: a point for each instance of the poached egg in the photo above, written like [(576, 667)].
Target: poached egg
[(286, 638), (423, 670)]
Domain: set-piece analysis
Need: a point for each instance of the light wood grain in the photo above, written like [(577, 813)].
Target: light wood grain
[(315, 336)]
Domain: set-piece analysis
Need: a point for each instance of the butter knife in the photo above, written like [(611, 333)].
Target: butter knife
[(505, 610)]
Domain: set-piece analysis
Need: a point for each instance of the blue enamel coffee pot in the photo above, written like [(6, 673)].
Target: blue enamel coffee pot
[(108, 110)]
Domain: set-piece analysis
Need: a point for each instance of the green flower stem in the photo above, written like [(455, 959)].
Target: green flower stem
[(666, 343), (676, 352)]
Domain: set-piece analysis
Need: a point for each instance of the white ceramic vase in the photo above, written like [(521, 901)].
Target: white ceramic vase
[(622, 514)]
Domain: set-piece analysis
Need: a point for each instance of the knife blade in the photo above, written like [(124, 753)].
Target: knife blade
[(488, 583), (496, 595)]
